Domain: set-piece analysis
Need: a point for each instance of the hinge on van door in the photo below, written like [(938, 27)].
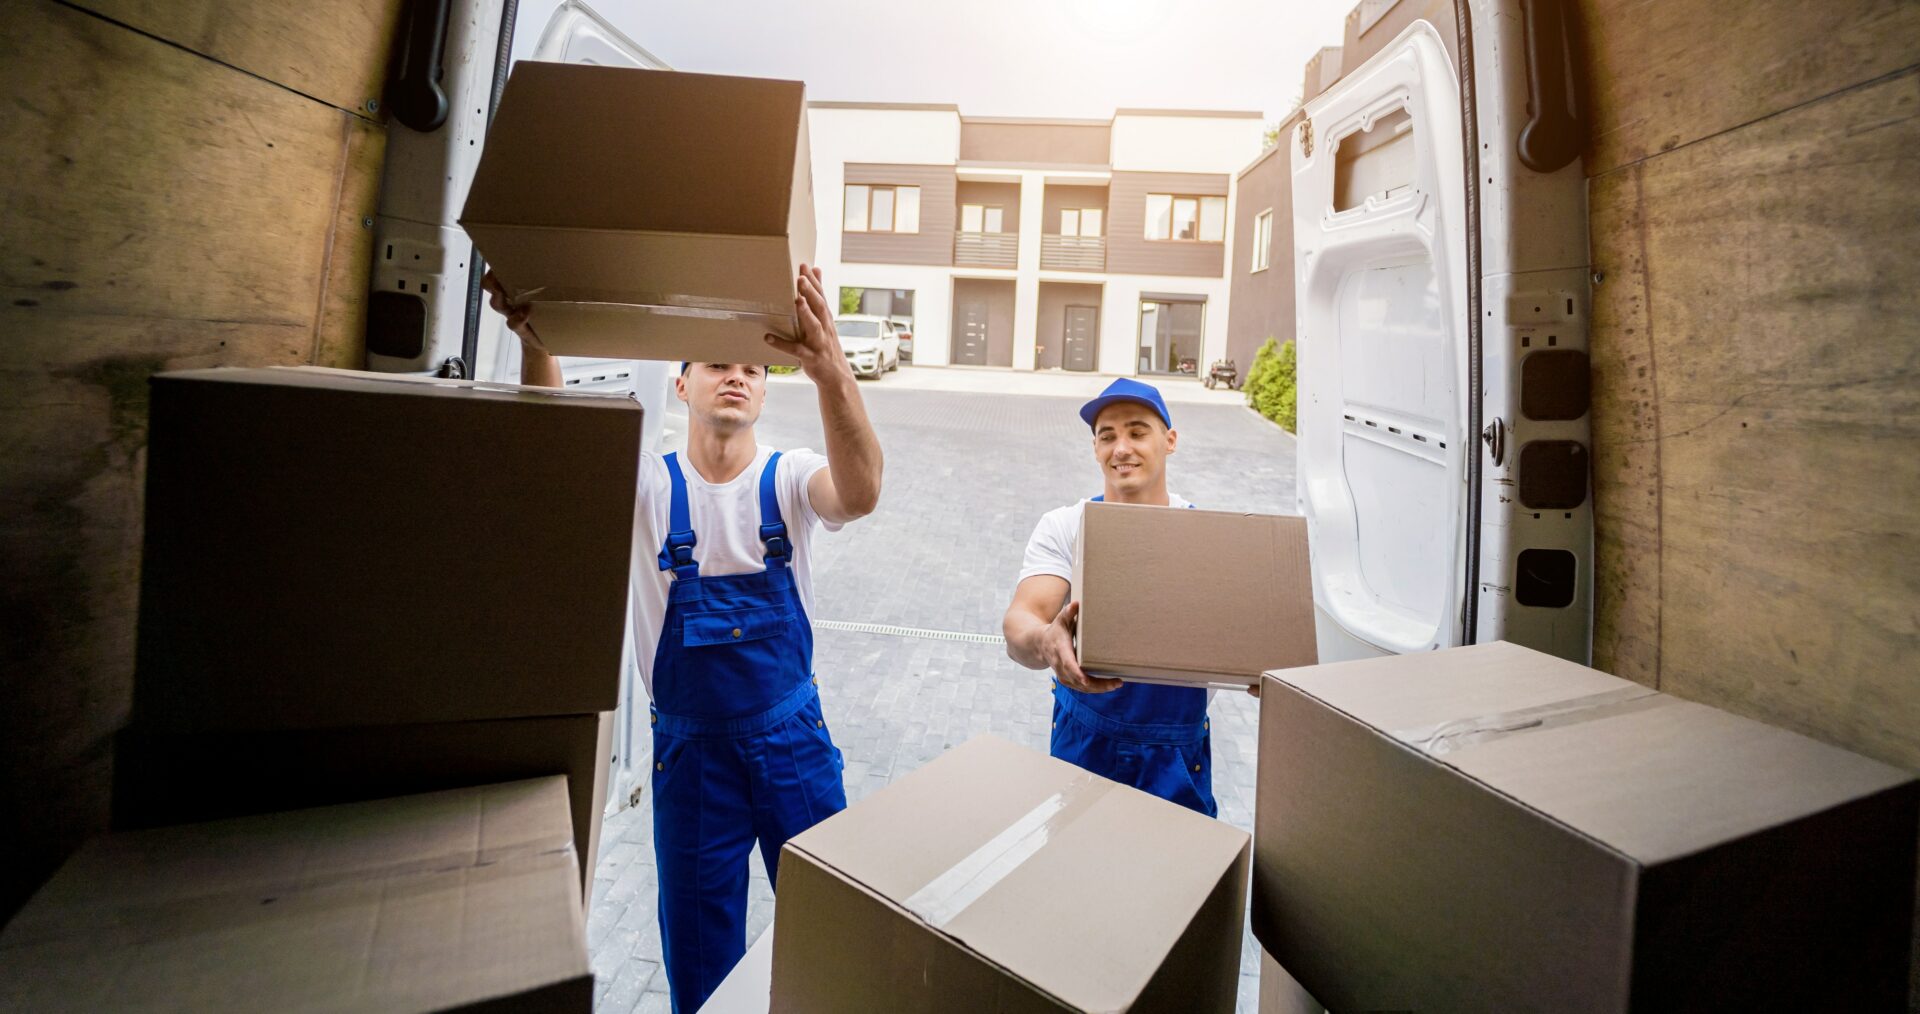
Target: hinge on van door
[(1496, 437), (455, 368), (1306, 138)]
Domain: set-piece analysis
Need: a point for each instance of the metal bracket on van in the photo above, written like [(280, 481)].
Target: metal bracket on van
[(1496, 437)]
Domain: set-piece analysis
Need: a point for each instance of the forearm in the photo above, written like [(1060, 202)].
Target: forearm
[(853, 451), (1024, 633), (538, 369)]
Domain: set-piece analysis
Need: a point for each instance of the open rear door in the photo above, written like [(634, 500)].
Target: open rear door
[(1440, 260)]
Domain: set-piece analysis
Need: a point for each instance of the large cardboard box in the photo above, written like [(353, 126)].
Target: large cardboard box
[(997, 878), (461, 900), (175, 778), (1192, 597), (1492, 828), (647, 214), (328, 548)]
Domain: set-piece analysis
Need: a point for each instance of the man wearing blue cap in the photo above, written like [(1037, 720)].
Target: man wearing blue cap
[(1152, 737)]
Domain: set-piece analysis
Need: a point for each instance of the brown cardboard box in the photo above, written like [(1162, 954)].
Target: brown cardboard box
[(328, 548), (647, 214), (461, 900), (1493, 828), (1281, 993), (173, 778), (997, 878), (1191, 596)]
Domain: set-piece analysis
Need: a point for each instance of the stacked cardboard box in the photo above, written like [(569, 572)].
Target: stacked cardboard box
[(997, 878), (1191, 597), (458, 900), (647, 214), (356, 586), (1492, 828)]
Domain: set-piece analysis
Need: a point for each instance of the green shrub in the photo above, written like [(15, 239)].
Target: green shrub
[(779, 368), (1272, 385)]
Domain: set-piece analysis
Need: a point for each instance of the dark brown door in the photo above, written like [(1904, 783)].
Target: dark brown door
[(1082, 338), (971, 349)]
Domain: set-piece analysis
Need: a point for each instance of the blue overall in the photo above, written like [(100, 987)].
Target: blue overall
[(1152, 737), (741, 751)]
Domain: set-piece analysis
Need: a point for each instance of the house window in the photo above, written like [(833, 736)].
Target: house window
[(1171, 335), (1184, 218), (982, 218), (881, 209), (1080, 221), (1262, 239)]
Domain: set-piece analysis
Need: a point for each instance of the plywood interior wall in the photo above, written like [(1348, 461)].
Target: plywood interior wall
[(183, 183), (1756, 358)]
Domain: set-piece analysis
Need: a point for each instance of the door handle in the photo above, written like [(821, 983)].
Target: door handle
[(1553, 133), (1496, 437), (413, 92)]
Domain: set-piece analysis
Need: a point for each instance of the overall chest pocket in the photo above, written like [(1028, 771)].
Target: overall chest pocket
[(734, 626)]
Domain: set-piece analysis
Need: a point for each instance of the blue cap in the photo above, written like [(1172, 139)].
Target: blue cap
[(1126, 389)]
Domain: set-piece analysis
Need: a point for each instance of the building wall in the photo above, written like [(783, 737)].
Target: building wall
[(1060, 197), (1128, 249), (1120, 317), (1000, 317), (932, 289), (1055, 297), (1261, 303), (1155, 142), (1005, 195), (1015, 142), (933, 244), (184, 186)]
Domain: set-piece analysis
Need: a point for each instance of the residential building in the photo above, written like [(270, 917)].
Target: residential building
[(1097, 245)]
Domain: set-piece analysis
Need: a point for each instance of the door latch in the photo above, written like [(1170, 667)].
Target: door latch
[(1496, 437)]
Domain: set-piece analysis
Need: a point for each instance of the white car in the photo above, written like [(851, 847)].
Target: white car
[(871, 343)]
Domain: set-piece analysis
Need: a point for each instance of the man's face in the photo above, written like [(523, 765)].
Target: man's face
[(1132, 444), (725, 396)]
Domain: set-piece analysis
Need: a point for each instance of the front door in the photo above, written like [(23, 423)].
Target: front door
[(971, 350), (1083, 338)]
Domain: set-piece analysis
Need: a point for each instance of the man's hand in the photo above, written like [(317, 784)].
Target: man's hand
[(537, 368), (516, 315), (818, 347), (1055, 646)]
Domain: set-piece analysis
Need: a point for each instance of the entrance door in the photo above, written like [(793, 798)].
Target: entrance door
[(971, 349), (1082, 338)]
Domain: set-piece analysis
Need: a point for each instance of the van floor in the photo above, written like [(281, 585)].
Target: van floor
[(907, 645)]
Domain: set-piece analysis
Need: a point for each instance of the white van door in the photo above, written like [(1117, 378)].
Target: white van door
[(1440, 263)]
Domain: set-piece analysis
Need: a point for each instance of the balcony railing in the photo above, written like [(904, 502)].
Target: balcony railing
[(1074, 253), (986, 249)]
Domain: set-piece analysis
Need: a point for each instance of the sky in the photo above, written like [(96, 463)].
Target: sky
[(1067, 58)]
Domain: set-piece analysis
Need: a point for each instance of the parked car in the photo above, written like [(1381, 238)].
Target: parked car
[(904, 328), (871, 344)]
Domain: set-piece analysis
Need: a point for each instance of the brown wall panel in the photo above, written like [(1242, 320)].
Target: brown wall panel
[(1061, 197), (1055, 297), (933, 244), (336, 51), (1129, 252), (1035, 143), (162, 210), (1261, 304)]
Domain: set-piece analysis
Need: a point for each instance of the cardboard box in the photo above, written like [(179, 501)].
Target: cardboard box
[(1492, 828), (174, 778), (997, 878), (1192, 597), (748, 989), (647, 214), (328, 548), (461, 900), (1281, 993)]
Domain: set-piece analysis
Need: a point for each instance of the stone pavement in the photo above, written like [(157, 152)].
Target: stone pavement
[(968, 474)]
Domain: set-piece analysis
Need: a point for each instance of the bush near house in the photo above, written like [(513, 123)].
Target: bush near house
[(1270, 387)]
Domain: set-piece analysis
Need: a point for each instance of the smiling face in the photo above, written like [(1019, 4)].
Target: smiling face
[(1132, 443), (723, 396)]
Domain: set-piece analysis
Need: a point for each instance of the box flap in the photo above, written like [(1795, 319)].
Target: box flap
[(1011, 852), (421, 902), (590, 147)]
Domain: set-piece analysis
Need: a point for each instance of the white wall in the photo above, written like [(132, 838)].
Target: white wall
[(932, 289), (1120, 318), (1175, 144)]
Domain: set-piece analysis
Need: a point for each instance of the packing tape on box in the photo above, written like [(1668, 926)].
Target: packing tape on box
[(965, 882), (1443, 738), (665, 303)]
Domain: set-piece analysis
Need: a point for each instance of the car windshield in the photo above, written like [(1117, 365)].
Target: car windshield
[(858, 328)]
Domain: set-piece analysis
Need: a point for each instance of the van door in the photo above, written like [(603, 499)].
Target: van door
[(1442, 343)]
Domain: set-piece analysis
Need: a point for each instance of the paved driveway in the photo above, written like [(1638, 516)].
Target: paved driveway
[(910, 599)]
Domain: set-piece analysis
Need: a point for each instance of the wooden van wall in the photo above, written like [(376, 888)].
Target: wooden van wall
[(183, 183)]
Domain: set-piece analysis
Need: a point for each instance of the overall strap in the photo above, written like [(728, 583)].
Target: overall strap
[(677, 554), (1102, 498), (773, 528)]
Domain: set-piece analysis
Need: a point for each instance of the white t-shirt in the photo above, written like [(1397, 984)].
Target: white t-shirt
[(726, 522), (1050, 548)]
